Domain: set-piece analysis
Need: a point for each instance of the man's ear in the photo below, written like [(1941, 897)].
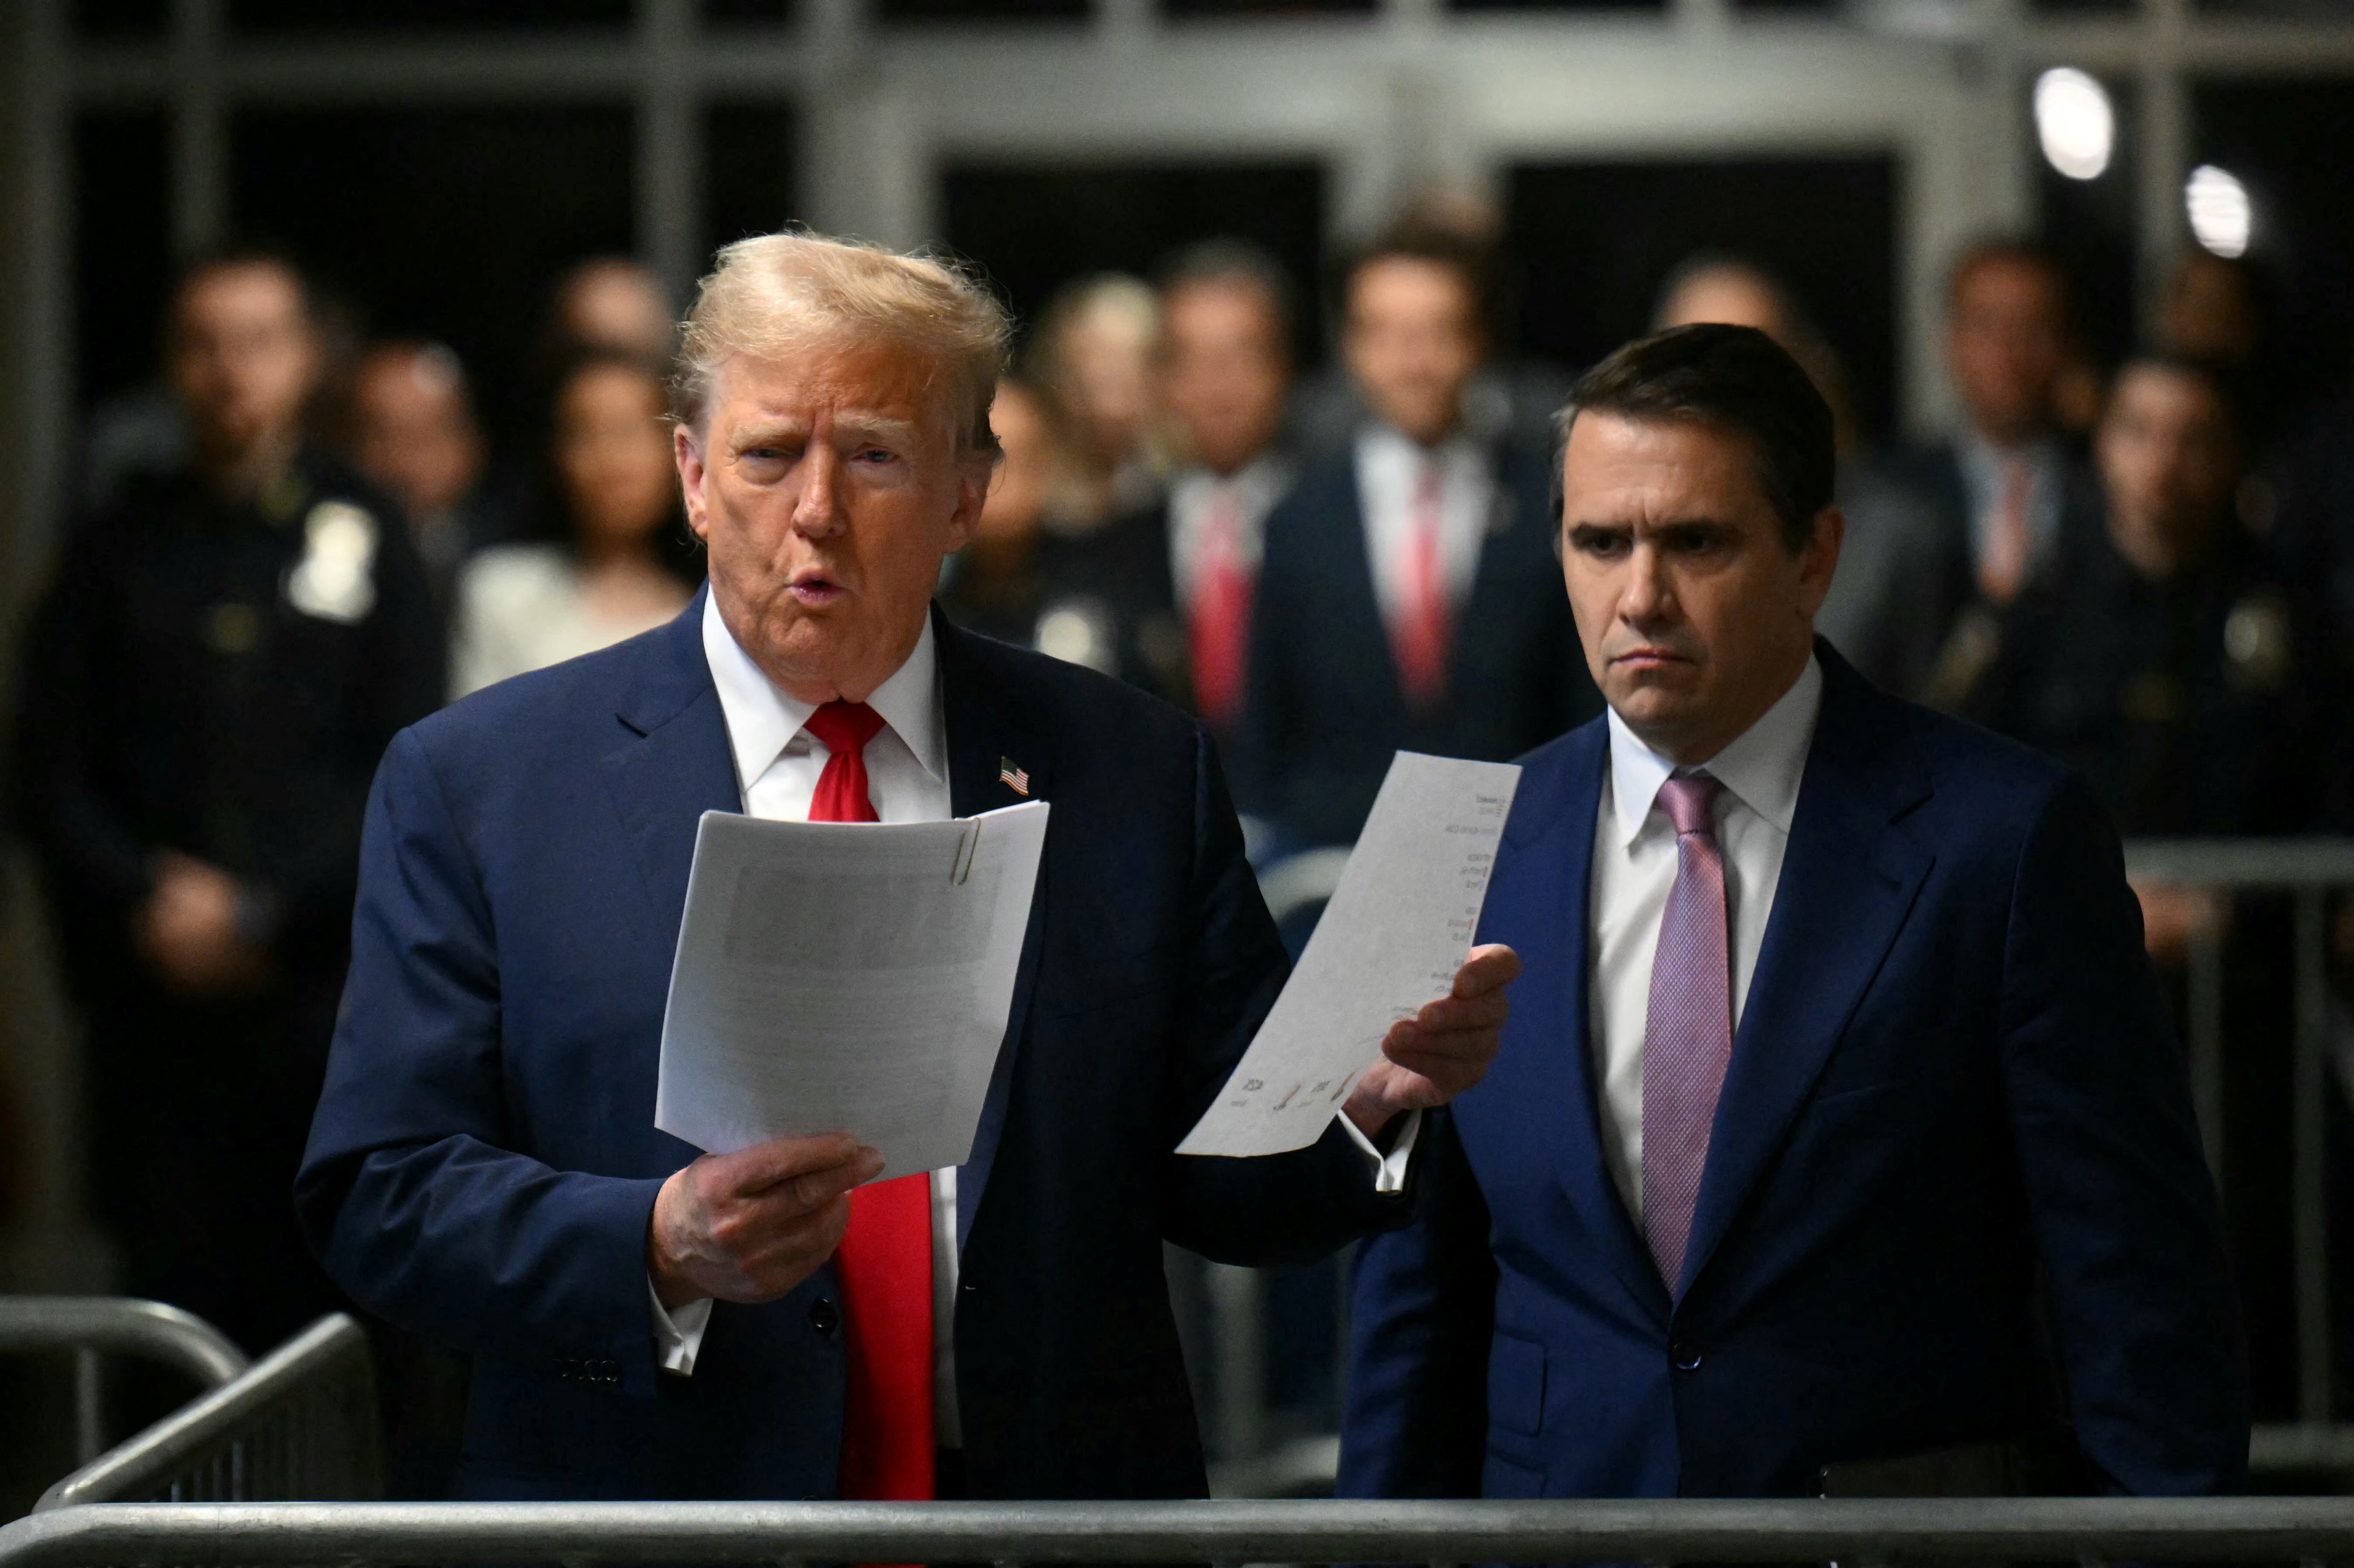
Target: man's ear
[(1819, 558), (690, 475)]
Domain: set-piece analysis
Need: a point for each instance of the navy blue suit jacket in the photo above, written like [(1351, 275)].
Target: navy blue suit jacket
[(1954, 1191), (1325, 712), (484, 1161)]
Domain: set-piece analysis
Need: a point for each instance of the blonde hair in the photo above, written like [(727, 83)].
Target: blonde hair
[(777, 293)]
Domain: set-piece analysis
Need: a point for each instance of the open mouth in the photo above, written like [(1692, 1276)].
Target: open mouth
[(815, 589)]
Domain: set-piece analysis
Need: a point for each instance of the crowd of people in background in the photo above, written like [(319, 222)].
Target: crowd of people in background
[(2147, 572)]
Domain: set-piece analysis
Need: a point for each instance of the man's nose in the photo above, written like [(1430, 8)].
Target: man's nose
[(1647, 597), (818, 513)]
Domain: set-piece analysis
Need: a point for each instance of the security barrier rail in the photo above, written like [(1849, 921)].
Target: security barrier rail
[(1859, 1532), (91, 1328), (299, 1424)]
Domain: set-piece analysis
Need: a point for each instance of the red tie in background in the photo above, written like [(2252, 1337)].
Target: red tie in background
[(1418, 640), (884, 1264), (1220, 614)]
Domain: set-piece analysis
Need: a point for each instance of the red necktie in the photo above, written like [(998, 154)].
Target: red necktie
[(885, 1263), (1220, 614), (1419, 639)]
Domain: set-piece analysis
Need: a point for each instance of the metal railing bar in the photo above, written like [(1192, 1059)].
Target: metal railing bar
[(89, 1406), (1685, 1530), (153, 1456), (2244, 863), (2205, 1005), (2308, 1200), (116, 1326)]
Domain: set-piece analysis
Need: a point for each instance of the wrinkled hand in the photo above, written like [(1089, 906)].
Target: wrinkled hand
[(1430, 1058), (188, 930), (751, 1225)]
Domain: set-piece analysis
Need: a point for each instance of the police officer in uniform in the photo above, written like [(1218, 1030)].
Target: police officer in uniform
[(227, 649), (2187, 680), (2165, 660)]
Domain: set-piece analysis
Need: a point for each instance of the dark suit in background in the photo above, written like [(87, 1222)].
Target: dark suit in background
[(1953, 1193), (484, 1158), (1326, 709), (188, 688)]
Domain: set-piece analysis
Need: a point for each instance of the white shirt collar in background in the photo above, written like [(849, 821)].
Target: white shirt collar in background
[(1253, 488), (1389, 472)]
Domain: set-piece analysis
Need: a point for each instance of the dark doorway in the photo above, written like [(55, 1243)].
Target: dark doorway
[(442, 223), (1035, 228), (1594, 241)]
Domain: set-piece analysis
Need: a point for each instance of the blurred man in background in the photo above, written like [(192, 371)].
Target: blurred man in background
[(208, 687), (413, 435), (1407, 596), (1092, 358), (2165, 661), (2185, 678), (1943, 536), (612, 304), (1178, 576)]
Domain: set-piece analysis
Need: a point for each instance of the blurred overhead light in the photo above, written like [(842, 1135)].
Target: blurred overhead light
[(2221, 215), (2075, 122)]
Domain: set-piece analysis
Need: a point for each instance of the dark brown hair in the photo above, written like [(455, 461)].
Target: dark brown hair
[(1731, 378)]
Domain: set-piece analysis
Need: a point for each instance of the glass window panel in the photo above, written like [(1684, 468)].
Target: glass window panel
[(121, 18), (122, 250), (424, 15)]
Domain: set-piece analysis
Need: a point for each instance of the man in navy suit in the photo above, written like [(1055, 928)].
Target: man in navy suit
[(644, 1322), (1838, 1141), (1405, 594)]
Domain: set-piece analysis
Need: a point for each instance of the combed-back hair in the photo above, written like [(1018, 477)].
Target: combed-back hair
[(1228, 261), (1729, 378), (776, 294)]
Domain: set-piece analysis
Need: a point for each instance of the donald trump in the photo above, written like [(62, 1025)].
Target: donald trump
[(801, 1319)]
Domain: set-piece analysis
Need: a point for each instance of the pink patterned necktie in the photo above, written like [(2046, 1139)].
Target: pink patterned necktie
[(1687, 1034)]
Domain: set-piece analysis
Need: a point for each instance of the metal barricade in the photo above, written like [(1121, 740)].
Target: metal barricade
[(1865, 1533), (91, 1328), (300, 1423), (2308, 871)]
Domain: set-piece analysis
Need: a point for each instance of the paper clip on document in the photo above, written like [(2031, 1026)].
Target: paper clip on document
[(967, 847)]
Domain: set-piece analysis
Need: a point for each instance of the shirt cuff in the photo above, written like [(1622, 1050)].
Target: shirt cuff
[(1389, 1170), (678, 1335)]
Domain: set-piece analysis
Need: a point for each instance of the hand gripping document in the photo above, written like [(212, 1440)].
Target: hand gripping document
[(847, 977), (1390, 941)]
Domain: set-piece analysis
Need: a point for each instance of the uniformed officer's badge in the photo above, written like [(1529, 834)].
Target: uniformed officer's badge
[(336, 579), (2257, 643)]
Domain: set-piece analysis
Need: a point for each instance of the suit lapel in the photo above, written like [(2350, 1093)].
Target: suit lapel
[(1848, 880), (987, 735), (1550, 1002), (674, 763)]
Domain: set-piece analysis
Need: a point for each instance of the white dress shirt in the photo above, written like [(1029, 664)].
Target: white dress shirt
[(1389, 473), (1254, 489), (776, 766), (1635, 868), (1986, 474)]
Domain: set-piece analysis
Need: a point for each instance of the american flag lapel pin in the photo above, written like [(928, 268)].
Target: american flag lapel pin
[(1012, 778)]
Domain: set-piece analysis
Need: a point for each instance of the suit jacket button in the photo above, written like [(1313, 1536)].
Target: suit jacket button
[(1686, 1358), (825, 1317)]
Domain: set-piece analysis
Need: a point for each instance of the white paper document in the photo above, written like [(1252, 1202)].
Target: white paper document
[(847, 977), (1389, 943)]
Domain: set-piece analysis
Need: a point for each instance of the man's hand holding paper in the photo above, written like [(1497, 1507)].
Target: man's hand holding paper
[(1441, 1051), (751, 1225)]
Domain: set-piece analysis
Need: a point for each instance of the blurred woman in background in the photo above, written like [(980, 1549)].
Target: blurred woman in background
[(626, 565)]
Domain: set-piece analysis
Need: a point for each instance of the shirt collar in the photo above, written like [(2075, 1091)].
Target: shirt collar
[(1761, 768), (763, 720)]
